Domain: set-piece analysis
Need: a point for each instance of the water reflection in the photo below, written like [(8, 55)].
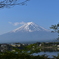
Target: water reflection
[(49, 54), (48, 51)]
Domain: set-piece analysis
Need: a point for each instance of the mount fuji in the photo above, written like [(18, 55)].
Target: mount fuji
[(30, 27), (28, 32)]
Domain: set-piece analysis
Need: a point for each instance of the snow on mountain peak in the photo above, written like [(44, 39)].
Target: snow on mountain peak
[(30, 27), (30, 23)]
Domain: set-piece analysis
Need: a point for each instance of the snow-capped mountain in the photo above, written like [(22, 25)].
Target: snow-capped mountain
[(28, 32), (30, 27)]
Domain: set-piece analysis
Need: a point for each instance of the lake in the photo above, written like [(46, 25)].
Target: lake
[(50, 54)]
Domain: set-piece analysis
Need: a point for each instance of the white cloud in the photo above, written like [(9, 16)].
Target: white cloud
[(22, 23), (10, 22), (17, 23)]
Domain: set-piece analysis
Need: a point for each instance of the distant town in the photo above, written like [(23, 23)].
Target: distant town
[(42, 46)]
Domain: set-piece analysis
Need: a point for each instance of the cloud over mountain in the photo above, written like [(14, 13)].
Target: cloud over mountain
[(17, 23)]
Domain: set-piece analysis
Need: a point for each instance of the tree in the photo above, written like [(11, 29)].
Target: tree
[(55, 29), (10, 3)]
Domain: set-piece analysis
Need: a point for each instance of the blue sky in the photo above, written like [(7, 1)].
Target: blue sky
[(42, 12)]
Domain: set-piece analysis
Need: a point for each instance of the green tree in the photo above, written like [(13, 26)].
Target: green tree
[(10, 3), (55, 29)]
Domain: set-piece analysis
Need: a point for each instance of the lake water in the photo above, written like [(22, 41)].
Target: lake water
[(50, 54)]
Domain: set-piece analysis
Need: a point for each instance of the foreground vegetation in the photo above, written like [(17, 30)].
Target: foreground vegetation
[(27, 51), (14, 55)]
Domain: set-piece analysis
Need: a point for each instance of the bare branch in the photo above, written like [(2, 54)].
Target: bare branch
[(9, 3)]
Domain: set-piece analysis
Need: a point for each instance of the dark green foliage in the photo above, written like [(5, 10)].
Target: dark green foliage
[(11, 55), (55, 29)]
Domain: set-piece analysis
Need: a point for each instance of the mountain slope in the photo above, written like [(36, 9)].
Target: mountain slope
[(28, 32)]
